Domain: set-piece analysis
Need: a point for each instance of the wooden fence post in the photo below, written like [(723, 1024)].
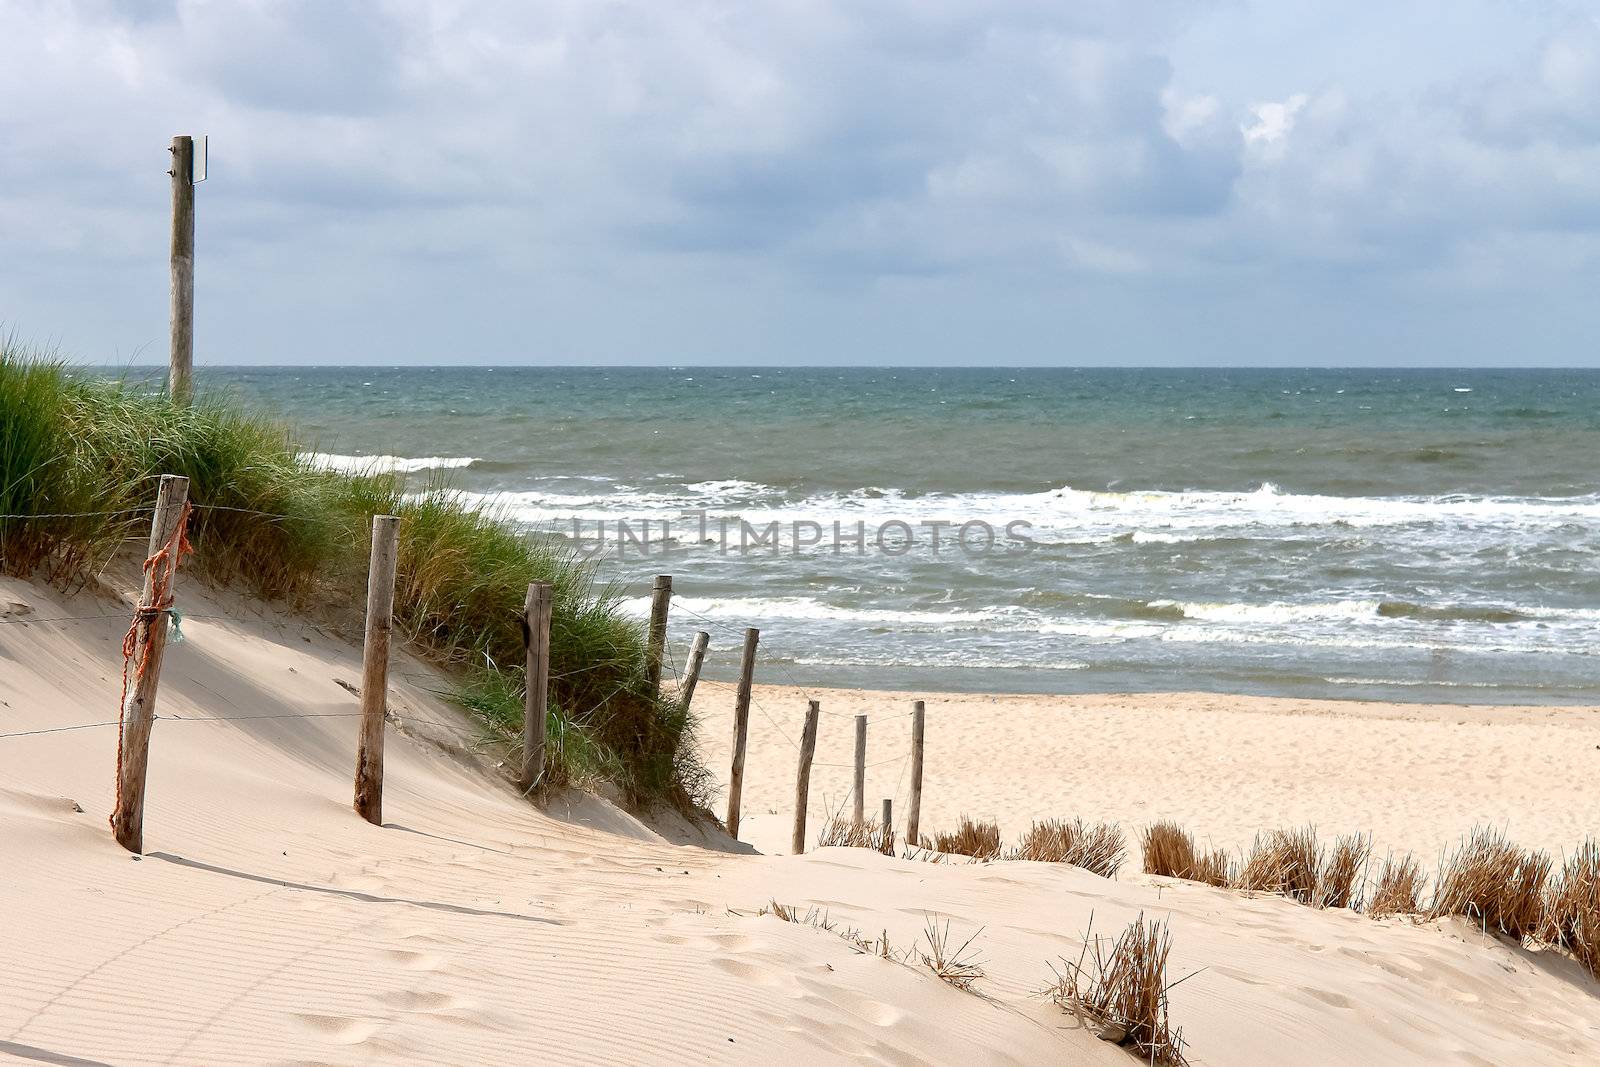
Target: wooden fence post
[(888, 815), (858, 814), (802, 778), (375, 668), (149, 642), (182, 361), (660, 599), (536, 611), (741, 727), (691, 671), (914, 802)]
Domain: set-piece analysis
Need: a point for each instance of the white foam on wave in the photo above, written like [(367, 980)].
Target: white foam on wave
[(1060, 516), (385, 464), (1275, 613)]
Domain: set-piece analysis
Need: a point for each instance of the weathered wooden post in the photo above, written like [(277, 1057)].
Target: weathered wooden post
[(536, 611), (914, 804), (888, 815), (691, 671), (178, 378), (741, 726), (858, 815), (660, 599), (149, 643), (375, 668), (802, 777)]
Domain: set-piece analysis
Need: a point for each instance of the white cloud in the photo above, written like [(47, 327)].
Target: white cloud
[(448, 164)]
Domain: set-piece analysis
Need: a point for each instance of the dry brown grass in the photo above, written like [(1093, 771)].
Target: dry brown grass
[(1339, 884), (1124, 991), (959, 966), (1572, 908), (980, 840), (1494, 884), (1286, 862), (1399, 889), (1212, 868), (1098, 848), (1169, 850), (840, 832)]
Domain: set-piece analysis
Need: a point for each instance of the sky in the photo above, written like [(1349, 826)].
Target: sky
[(1007, 182)]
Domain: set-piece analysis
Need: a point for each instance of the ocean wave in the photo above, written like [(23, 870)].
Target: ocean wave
[(385, 464), (1064, 516)]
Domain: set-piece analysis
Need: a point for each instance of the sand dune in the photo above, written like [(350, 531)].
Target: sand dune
[(268, 924)]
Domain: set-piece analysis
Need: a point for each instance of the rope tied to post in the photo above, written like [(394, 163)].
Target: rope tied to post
[(159, 567)]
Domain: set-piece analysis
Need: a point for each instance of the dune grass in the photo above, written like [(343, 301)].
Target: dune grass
[(1098, 848), (841, 831), (1399, 888), (1169, 850), (980, 840), (1123, 991), (1572, 908), (80, 458), (1494, 884)]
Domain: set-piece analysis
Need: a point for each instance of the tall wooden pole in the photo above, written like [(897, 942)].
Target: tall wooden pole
[(149, 643), (858, 815), (179, 385), (375, 668), (741, 726), (802, 777), (691, 672), (914, 802), (660, 600), (536, 610)]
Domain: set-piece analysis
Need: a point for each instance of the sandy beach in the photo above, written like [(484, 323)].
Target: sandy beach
[(268, 924), (1415, 777)]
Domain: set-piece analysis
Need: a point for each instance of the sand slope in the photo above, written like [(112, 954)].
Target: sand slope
[(268, 924)]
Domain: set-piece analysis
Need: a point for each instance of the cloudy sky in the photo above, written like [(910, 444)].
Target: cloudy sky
[(901, 181)]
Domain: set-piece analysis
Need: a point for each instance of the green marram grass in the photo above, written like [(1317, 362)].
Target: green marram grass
[(80, 459)]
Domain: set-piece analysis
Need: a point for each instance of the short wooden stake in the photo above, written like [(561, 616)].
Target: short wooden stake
[(660, 600), (375, 668), (149, 643), (691, 672), (741, 727), (858, 815), (536, 611), (182, 357), (888, 815), (802, 778), (914, 803)]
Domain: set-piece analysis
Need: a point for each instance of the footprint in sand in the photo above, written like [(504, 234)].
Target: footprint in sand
[(413, 960), (337, 1028)]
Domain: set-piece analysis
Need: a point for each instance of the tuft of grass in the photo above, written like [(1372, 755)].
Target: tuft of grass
[(1338, 886), (980, 840), (1099, 848), (1123, 991), (956, 965), (1399, 888), (1572, 908), (1169, 850), (80, 459), (841, 832), (1494, 884), (1286, 862)]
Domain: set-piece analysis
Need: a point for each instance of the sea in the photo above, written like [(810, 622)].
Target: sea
[(1413, 535)]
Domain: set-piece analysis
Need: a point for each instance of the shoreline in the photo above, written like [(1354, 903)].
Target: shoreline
[(1416, 777)]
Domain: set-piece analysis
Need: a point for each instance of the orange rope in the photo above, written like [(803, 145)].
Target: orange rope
[(159, 568)]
